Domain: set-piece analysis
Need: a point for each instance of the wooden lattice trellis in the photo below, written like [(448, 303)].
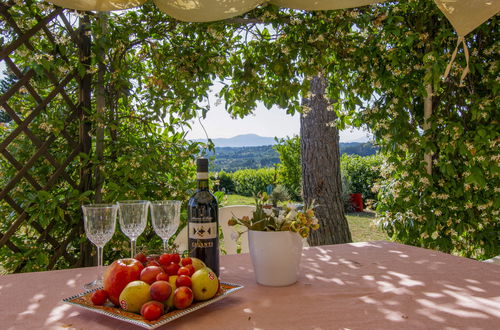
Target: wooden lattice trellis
[(31, 94)]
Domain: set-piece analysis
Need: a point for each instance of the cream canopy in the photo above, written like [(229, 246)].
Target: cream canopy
[(464, 15)]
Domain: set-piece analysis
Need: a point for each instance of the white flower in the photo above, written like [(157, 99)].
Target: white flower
[(292, 214), (425, 180)]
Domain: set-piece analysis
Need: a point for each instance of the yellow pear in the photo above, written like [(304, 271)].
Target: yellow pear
[(198, 264), (205, 284), (134, 295), (170, 301)]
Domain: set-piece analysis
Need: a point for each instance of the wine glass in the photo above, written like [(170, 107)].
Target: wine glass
[(99, 222), (165, 216), (133, 219)]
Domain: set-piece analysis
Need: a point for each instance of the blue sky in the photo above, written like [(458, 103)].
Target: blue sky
[(270, 123), (263, 122)]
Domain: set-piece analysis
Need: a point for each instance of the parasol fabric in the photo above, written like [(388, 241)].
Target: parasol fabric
[(464, 15), (97, 5)]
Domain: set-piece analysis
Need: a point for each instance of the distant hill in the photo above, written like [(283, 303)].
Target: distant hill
[(231, 159), (244, 140)]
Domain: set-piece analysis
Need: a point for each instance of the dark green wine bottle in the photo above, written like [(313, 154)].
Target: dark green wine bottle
[(203, 221)]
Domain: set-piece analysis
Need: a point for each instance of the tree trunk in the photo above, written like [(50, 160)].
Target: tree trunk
[(321, 167)]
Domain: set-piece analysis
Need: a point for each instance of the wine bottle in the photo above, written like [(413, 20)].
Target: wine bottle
[(203, 221)]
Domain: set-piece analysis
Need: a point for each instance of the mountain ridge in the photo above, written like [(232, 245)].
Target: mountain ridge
[(251, 140), (242, 140)]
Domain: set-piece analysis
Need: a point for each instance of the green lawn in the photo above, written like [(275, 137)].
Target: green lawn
[(363, 228), (361, 224), (238, 200)]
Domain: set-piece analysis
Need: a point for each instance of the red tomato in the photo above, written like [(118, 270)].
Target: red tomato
[(176, 258), (191, 269), (186, 261), (183, 280), (172, 269), (99, 297), (152, 310), (153, 263), (184, 271), (165, 259), (162, 277), (141, 257)]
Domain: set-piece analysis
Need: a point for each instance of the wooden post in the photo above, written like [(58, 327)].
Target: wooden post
[(427, 123), (84, 110), (100, 108)]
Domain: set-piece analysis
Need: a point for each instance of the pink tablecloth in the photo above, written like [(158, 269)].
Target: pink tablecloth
[(377, 285)]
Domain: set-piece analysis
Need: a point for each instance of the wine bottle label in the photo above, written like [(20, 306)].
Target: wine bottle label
[(202, 175), (206, 230)]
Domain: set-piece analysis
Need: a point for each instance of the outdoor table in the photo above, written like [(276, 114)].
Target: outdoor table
[(374, 285)]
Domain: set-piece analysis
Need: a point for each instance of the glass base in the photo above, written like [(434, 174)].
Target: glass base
[(97, 283)]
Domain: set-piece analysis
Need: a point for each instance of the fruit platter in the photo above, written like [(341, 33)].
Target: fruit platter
[(151, 291)]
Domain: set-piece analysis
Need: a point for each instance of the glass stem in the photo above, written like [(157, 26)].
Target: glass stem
[(132, 248), (99, 262), (165, 245)]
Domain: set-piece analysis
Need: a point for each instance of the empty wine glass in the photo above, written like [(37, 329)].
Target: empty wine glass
[(99, 222), (165, 216), (133, 219)]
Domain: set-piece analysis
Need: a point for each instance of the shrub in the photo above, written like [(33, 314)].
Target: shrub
[(279, 194), (361, 173), (290, 166), (225, 181), (346, 195), (251, 182)]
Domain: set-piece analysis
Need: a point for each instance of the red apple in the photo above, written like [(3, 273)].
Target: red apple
[(119, 274), (183, 280), (160, 291), (152, 310), (149, 274), (183, 297), (172, 269)]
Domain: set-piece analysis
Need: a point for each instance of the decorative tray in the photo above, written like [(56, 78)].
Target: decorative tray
[(83, 300)]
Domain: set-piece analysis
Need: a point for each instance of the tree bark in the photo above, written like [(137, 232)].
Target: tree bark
[(321, 167)]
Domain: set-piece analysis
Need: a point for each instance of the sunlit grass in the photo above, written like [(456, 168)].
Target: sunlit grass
[(238, 200), (363, 228)]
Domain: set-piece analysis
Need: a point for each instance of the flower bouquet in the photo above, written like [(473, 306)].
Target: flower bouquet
[(266, 217), (275, 237)]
